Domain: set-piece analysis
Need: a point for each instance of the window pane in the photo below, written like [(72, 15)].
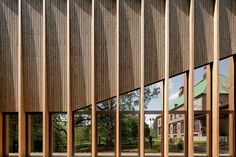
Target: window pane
[(129, 134), (224, 132), (153, 97), (106, 134), (177, 134), (108, 105), (11, 133), (153, 134), (59, 132), (130, 101), (82, 131), (36, 133), (176, 93)]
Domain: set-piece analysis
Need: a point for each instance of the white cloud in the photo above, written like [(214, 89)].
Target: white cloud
[(171, 84), (173, 96)]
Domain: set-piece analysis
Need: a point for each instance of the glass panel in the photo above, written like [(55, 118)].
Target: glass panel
[(176, 134), (224, 133), (176, 93), (201, 124), (106, 134), (200, 88), (109, 105), (153, 97), (36, 132), (130, 101), (153, 134), (129, 134), (59, 132), (82, 131), (11, 133)]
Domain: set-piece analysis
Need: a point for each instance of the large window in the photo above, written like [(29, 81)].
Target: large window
[(59, 133), (153, 97), (82, 132), (177, 115)]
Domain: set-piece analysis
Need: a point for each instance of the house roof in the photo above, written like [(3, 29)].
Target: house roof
[(200, 88)]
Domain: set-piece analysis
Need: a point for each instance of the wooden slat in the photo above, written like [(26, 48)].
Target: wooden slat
[(80, 51), (9, 55), (142, 115), (215, 84), (56, 53), (44, 89), (190, 92), (70, 141), (118, 143), (94, 126), (32, 54), (105, 48), (179, 36), (227, 27), (203, 31), (166, 82), (129, 45), (21, 112), (154, 21)]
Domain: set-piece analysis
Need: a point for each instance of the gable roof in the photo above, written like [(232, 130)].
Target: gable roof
[(200, 88)]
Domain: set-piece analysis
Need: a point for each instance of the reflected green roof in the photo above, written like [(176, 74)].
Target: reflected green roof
[(200, 88)]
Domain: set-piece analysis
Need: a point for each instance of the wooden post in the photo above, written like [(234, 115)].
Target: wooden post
[(94, 132), (29, 136), (215, 87), (191, 81), (142, 115), (166, 88), (6, 135), (231, 105), (21, 114), (208, 108), (44, 101), (1, 134), (118, 153), (186, 120), (70, 148)]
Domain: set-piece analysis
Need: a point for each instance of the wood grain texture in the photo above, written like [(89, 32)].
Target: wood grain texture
[(80, 52), (227, 27), (56, 55), (203, 32), (32, 19), (179, 36), (129, 39), (154, 20), (8, 55), (105, 49)]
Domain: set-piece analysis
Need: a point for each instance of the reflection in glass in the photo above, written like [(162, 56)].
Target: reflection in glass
[(82, 132), (59, 132), (36, 132), (153, 132), (130, 101), (177, 134), (129, 133), (106, 133)]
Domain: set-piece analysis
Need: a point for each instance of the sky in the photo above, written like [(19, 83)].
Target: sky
[(175, 83)]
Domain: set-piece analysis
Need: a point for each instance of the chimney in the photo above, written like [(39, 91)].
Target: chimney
[(181, 91)]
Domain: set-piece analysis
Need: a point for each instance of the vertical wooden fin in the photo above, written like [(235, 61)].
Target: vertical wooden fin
[(1, 134), (215, 85), (166, 85), (191, 81)]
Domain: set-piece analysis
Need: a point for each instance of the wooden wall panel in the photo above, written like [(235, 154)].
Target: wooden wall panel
[(8, 55), (80, 50), (32, 20), (56, 54), (129, 40), (179, 36), (227, 27), (105, 49), (203, 32), (154, 16)]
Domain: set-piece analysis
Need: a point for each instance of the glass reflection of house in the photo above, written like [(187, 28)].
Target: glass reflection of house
[(176, 121)]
